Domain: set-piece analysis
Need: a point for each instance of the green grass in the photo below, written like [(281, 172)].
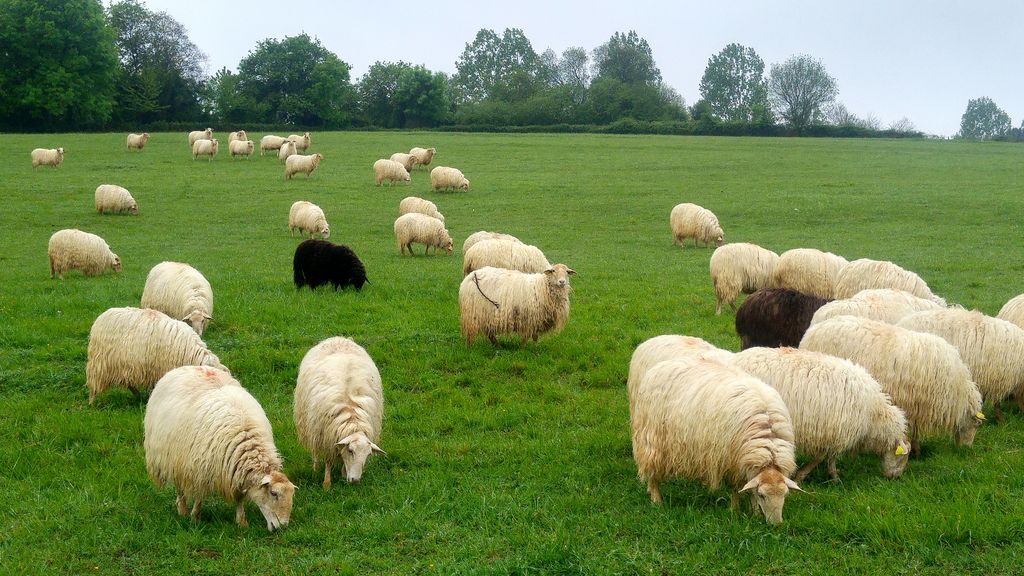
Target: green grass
[(500, 460)]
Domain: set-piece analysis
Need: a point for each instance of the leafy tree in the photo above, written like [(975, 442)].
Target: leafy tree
[(799, 89), (573, 73), (58, 64), (399, 95), (377, 90), (903, 126), (733, 84), (626, 58), (228, 104), (503, 67), (983, 120)]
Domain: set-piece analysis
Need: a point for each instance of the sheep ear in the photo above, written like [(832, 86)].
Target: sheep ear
[(754, 483), (346, 440), (549, 271), (377, 450), (265, 481), (793, 485), (207, 316), (570, 271), (186, 318)]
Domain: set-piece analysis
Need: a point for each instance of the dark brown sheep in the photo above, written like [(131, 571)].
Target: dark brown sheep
[(775, 317)]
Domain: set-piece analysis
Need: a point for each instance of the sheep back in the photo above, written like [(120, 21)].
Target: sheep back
[(319, 262), (423, 155), (113, 198), (1013, 310), (390, 171), (740, 267), (504, 254), (809, 271), (308, 218), (484, 235), (865, 273), (421, 229), (496, 301), (181, 292), (72, 249), (445, 178), (416, 204), (408, 161), (47, 157), (692, 221), (775, 317), (668, 347), (883, 304), (298, 163)]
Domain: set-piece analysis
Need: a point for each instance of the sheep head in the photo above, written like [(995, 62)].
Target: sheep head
[(769, 488), (197, 319), (969, 423), (895, 458), (464, 185), (273, 495), (134, 210), (355, 449), (558, 276), (325, 231), (115, 262)]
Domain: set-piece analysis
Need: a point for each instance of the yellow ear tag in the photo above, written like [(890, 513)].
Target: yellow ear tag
[(979, 416), (900, 451)]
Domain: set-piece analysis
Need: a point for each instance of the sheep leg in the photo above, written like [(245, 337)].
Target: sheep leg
[(135, 393), (240, 515), (493, 340), (803, 472), (997, 413), (915, 444), (195, 509), (654, 490), (180, 504), (833, 472), (327, 476), (523, 340), (92, 396), (734, 501)]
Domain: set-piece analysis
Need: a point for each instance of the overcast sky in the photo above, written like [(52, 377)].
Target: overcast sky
[(891, 58)]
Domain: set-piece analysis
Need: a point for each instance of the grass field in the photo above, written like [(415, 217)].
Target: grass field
[(500, 460)]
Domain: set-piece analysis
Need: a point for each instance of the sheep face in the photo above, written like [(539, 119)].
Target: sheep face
[(719, 238), (968, 426), (558, 276), (197, 320), (115, 262), (894, 459), (355, 449), (325, 231), (134, 210), (464, 185), (769, 489), (274, 497)]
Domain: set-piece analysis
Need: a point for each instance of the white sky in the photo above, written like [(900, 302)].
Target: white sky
[(923, 59)]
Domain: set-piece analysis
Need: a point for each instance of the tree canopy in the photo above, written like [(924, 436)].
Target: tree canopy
[(733, 85), (983, 120), (399, 95), (799, 89), (503, 66), (626, 58)]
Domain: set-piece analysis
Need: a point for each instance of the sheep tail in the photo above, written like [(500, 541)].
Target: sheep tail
[(476, 280)]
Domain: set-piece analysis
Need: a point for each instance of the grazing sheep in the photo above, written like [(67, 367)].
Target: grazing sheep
[(301, 142), (299, 163), (922, 373), (113, 198), (307, 217), (484, 235), (883, 304), (423, 155), (72, 249), (419, 205), (137, 141), (241, 148), (504, 254), (692, 221), (181, 292), (710, 422), (318, 262), (408, 161), (204, 434), (494, 301), (668, 347), (444, 178), (44, 157), (835, 406), (240, 135), (389, 170), (809, 271), (205, 148), (271, 142), (133, 347), (199, 135), (1013, 310), (339, 404), (775, 317), (287, 149), (740, 267), (864, 274), (421, 229)]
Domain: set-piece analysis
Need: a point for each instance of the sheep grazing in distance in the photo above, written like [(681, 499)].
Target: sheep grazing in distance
[(301, 142), (204, 434), (113, 198), (883, 304), (423, 155), (692, 221), (668, 347), (835, 407), (408, 161), (241, 148), (419, 205), (181, 292), (922, 373), (299, 163), (482, 235), (339, 405), (137, 141), (445, 178), (318, 262), (308, 218), (1013, 311), (775, 317), (133, 347), (72, 249), (864, 274), (390, 171), (421, 229), (740, 267), (271, 142), (240, 135), (809, 271), (504, 254), (495, 301), (204, 148), (713, 423), (44, 157), (199, 135), (287, 149)]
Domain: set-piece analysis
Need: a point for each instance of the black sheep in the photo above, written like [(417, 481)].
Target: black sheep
[(318, 262), (775, 317)]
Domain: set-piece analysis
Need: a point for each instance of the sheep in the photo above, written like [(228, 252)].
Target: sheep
[(137, 141), (408, 161), (421, 229), (775, 317), (922, 373), (181, 292), (443, 178), (204, 434), (389, 170), (809, 271), (884, 304), (45, 157), (494, 301), (298, 163), (205, 148), (271, 142), (133, 347), (484, 235), (864, 273), (423, 155), (113, 198), (692, 221), (241, 148), (703, 420), (835, 406), (339, 405), (668, 347), (72, 249), (240, 135), (419, 205), (317, 262), (504, 254), (301, 142), (308, 217), (287, 149), (740, 267), (1013, 310), (199, 135)]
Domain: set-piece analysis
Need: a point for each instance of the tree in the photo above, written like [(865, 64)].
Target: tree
[(228, 104), (573, 73), (733, 84), (799, 89), (626, 58), (983, 120), (903, 126), (493, 66), (399, 95), (58, 64), (377, 90)]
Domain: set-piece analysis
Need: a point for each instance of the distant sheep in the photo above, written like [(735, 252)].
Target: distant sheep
[(692, 221), (421, 229), (484, 235), (44, 157), (423, 155), (240, 135), (339, 405), (1013, 310), (740, 267), (445, 178), (199, 135), (419, 205), (287, 149), (408, 161), (241, 148), (113, 198), (72, 249), (137, 141), (809, 271), (204, 434), (181, 292), (271, 142), (504, 254), (205, 148), (864, 274), (775, 317), (301, 142), (390, 171), (668, 347), (495, 301), (308, 218), (319, 262), (299, 163), (883, 304)]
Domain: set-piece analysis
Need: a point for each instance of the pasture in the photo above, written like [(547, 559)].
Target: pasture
[(502, 460)]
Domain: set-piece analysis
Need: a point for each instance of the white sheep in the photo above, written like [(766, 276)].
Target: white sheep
[(307, 217), (808, 271), (205, 148), (423, 155), (922, 373), (692, 221), (444, 178), (47, 157), (1013, 310), (298, 163), (864, 274), (72, 249), (271, 142), (504, 254), (482, 235), (287, 149), (836, 407), (495, 301), (301, 142), (137, 141), (408, 161), (133, 347), (713, 423), (421, 229), (113, 198), (668, 347), (199, 135), (339, 405), (181, 292), (884, 304), (390, 171), (740, 267), (241, 148), (416, 204), (240, 135), (205, 435)]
